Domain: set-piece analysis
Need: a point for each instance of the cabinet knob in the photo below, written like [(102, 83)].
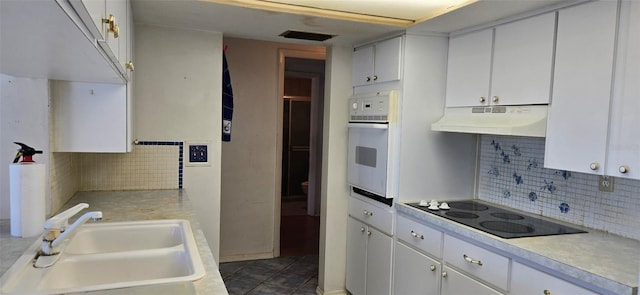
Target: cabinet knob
[(623, 169), (375, 78), (483, 99), (368, 233), (444, 274), (432, 267), (368, 79), (495, 99), (129, 66), (112, 27), (362, 229), (546, 292), (594, 166)]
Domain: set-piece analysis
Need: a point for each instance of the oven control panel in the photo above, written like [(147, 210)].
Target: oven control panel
[(378, 107)]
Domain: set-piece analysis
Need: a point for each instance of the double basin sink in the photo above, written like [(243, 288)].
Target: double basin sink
[(101, 256)]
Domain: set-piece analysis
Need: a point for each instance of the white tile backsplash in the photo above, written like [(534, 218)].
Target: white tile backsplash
[(511, 173)]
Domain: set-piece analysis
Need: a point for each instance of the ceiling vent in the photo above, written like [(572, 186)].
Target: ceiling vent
[(306, 36)]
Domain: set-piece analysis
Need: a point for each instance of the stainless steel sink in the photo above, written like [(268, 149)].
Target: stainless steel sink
[(111, 255)]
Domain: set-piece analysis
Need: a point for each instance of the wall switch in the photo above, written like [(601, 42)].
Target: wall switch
[(605, 183)]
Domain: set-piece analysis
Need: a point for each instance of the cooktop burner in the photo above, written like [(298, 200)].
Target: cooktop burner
[(497, 221)]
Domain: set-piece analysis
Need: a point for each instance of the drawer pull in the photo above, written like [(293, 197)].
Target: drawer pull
[(417, 235), (368, 213), (471, 260), (546, 292)]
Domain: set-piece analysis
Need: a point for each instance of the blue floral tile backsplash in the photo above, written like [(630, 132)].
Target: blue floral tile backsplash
[(512, 173)]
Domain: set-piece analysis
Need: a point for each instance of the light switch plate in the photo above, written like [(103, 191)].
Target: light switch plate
[(197, 153), (605, 183)]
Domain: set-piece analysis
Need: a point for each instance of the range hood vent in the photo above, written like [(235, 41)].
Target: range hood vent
[(530, 120)]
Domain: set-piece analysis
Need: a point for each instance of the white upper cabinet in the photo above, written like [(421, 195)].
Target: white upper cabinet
[(377, 63), (469, 69), (578, 119), (510, 64), (47, 39), (624, 134), (523, 61), (107, 22)]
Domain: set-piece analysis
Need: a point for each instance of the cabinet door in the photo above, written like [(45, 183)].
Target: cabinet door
[(522, 61), (356, 256), (526, 280), (89, 117), (92, 12), (362, 66), (379, 253), (624, 135), (468, 69), (579, 112), (414, 272), (387, 60), (455, 283)]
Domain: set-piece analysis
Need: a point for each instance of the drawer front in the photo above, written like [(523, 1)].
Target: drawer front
[(378, 217), (420, 236), (526, 280), (476, 261)]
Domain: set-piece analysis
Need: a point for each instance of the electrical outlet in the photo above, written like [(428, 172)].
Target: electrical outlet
[(605, 183), (197, 153)]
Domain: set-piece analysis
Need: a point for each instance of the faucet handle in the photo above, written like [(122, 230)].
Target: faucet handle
[(60, 221)]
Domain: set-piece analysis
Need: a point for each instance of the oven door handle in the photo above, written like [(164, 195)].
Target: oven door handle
[(368, 125)]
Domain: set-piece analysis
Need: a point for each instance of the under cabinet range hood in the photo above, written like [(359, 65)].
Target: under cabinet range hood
[(527, 120)]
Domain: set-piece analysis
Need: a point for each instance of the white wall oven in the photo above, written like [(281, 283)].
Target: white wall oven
[(372, 127)]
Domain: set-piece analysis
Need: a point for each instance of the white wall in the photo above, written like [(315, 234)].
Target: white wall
[(250, 161), (24, 117), (177, 97), (335, 192)]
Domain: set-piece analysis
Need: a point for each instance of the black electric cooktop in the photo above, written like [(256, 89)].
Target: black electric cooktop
[(497, 221)]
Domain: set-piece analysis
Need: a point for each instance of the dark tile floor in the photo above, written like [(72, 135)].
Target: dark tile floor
[(283, 275)]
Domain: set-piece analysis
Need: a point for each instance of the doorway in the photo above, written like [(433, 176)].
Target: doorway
[(302, 85)]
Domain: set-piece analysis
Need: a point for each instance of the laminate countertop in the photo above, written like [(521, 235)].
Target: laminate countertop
[(131, 206), (604, 260)]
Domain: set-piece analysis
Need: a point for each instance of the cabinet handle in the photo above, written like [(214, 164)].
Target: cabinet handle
[(594, 166), (368, 213), (623, 169), (483, 99), (495, 99), (417, 235), (432, 267), (546, 292), (375, 78), (368, 233), (362, 229), (129, 66), (444, 274), (113, 28), (368, 79), (471, 260)]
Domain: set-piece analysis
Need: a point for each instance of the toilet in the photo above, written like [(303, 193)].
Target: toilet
[(305, 187)]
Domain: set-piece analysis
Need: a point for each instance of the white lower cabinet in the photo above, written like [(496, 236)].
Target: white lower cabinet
[(369, 253), (456, 283), (414, 272), (527, 280)]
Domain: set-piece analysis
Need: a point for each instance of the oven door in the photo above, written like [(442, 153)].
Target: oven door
[(368, 157)]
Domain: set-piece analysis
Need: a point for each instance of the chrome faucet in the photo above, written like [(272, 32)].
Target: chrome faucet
[(57, 228)]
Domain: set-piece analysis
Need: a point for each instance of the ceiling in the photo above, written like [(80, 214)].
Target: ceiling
[(260, 24)]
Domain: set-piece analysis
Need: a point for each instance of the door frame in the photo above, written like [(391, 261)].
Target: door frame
[(282, 54)]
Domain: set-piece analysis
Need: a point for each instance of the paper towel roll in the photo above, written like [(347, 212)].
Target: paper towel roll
[(26, 190)]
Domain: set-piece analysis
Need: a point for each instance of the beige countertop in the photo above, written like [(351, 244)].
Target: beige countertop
[(606, 261), (129, 206)]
